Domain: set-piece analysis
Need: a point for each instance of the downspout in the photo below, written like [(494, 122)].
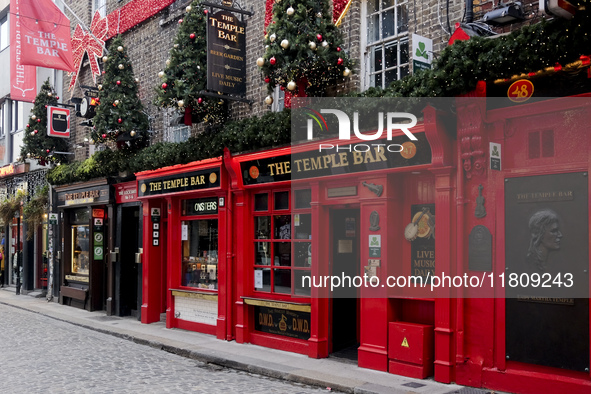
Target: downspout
[(469, 11), (460, 202), (230, 255)]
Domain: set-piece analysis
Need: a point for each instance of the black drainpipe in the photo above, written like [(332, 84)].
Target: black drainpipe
[(469, 11)]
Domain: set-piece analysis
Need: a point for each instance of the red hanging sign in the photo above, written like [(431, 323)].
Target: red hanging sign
[(58, 122), (23, 79), (45, 35)]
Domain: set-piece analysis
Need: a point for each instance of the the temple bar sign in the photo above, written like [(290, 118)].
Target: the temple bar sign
[(226, 54), (58, 124)]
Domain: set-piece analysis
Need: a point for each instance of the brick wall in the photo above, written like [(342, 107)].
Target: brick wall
[(148, 45)]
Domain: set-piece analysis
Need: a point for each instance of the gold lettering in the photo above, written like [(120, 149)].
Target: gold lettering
[(357, 158)]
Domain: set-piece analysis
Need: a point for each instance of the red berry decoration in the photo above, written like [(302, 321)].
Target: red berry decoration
[(199, 100), (38, 120), (46, 106), (28, 125), (119, 120), (338, 49), (164, 86), (47, 150), (205, 12), (272, 61), (340, 61), (319, 37), (104, 136), (57, 97), (118, 82), (267, 80), (35, 131), (192, 36)]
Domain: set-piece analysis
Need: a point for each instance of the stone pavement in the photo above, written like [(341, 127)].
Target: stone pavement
[(324, 373)]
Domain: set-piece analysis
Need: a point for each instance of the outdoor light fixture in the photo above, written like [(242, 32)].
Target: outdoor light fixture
[(507, 13)]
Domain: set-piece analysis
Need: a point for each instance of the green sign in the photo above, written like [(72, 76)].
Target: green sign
[(98, 252), (52, 218)]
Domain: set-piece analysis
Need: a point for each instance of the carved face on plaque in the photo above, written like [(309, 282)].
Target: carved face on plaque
[(545, 236)]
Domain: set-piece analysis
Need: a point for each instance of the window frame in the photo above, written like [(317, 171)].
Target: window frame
[(187, 218), (397, 38), (272, 241), (4, 33)]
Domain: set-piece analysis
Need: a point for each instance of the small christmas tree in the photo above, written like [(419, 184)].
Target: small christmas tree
[(185, 75), (303, 49), (36, 143), (120, 114)]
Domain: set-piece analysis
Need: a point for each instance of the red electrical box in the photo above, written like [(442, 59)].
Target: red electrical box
[(410, 349)]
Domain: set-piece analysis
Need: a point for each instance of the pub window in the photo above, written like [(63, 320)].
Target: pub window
[(387, 41), (199, 243), (282, 243), (80, 242)]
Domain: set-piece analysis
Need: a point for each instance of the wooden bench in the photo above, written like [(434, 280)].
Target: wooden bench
[(74, 293)]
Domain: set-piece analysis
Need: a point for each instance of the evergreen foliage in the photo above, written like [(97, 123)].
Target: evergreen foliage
[(36, 143), (304, 46), (185, 75), (120, 114)]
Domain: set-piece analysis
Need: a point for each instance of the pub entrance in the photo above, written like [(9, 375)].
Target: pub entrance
[(344, 329), (128, 276)]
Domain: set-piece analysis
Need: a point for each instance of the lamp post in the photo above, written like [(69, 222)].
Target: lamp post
[(18, 253)]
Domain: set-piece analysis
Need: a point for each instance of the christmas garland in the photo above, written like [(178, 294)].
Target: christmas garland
[(458, 69), (238, 136)]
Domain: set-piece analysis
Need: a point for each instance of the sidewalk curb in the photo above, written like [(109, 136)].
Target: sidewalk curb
[(209, 358)]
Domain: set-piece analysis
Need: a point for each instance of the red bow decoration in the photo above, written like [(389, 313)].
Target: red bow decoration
[(85, 42)]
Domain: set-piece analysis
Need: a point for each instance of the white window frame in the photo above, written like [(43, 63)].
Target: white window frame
[(398, 39), (4, 33), (278, 100), (100, 6)]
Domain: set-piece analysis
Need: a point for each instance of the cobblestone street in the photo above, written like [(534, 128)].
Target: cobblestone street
[(40, 354)]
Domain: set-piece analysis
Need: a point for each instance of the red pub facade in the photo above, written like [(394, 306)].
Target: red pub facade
[(485, 180)]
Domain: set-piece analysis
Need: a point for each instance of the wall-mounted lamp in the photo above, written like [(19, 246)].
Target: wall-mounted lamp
[(507, 13)]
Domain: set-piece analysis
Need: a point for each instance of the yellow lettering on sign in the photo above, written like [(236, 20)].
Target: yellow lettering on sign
[(405, 343)]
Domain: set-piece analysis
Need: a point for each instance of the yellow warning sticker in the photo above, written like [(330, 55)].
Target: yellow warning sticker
[(404, 343)]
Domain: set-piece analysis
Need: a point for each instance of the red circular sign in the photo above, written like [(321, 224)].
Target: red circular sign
[(253, 172), (520, 91)]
